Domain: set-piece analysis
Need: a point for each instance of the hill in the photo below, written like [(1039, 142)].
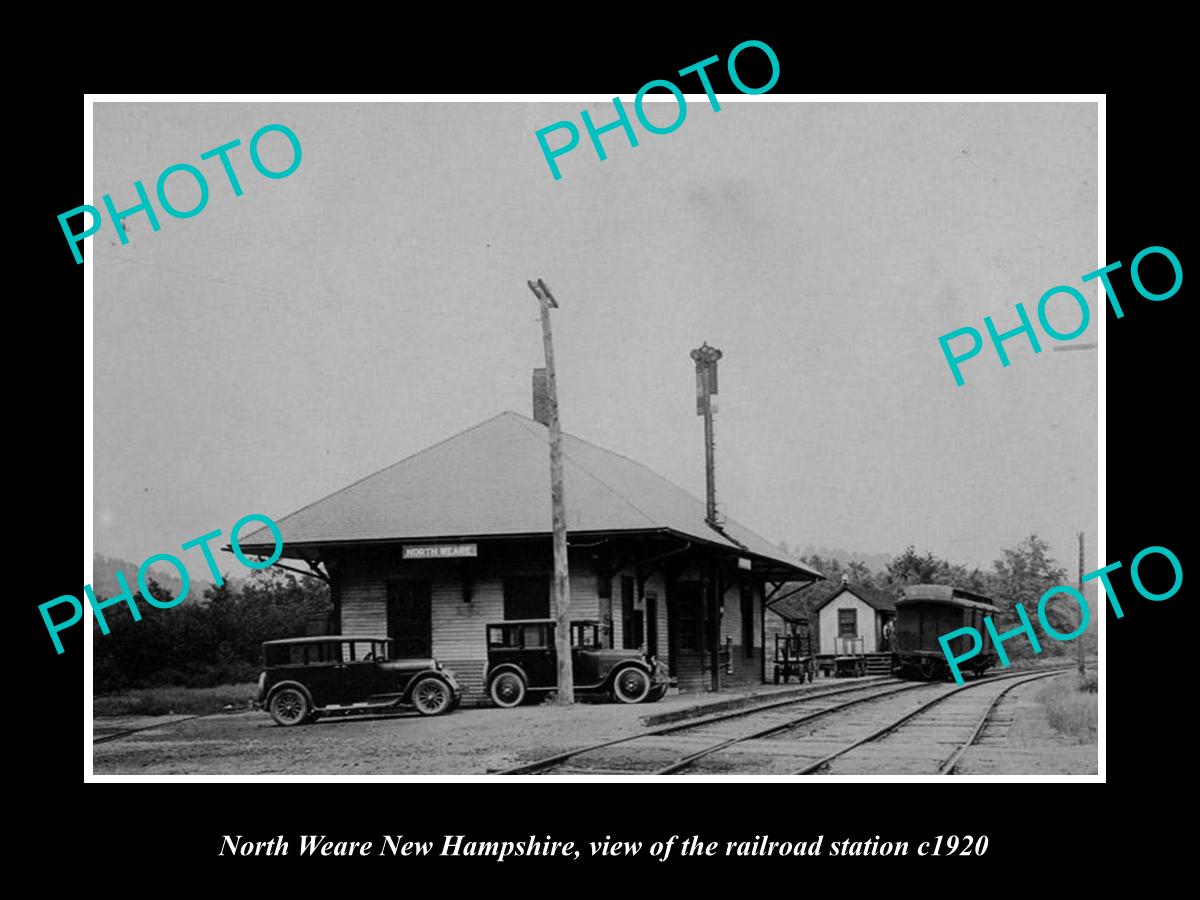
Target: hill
[(104, 581)]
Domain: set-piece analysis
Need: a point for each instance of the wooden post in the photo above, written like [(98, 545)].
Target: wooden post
[(1079, 657), (562, 585), (715, 621)]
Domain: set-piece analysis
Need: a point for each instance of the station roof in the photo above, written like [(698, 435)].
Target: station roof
[(493, 480), (326, 639)]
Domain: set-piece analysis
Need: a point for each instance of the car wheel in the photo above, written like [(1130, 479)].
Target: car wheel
[(432, 696), (631, 685), (507, 689), (289, 706)]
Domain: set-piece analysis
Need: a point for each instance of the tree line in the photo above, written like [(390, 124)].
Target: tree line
[(212, 639), (1020, 575), (217, 638)]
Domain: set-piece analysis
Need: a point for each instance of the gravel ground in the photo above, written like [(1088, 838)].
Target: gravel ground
[(1021, 740), (465, 742)]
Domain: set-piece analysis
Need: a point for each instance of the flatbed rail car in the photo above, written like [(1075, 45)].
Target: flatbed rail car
[(924, 613), (795, 655)]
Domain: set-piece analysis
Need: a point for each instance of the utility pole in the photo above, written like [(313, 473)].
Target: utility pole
[(706, 387), (1079, 658), (562, 585)]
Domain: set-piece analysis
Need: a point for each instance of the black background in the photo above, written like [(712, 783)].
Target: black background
[(180, 826)]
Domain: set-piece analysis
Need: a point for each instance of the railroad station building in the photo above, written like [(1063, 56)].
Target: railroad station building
[(433, 548)]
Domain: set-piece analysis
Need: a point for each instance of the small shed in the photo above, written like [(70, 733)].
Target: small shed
[(845, 612)]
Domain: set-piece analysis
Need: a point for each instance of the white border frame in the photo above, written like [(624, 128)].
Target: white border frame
[(89, 100)]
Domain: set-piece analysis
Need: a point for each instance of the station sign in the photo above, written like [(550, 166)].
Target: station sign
[(439, 551)]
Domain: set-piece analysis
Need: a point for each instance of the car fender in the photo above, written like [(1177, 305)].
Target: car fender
[(507, 667), (425, 673), (288, 684)]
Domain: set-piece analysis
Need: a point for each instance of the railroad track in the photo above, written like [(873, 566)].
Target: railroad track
[(951, 763), (116, 736), (927, 751), (762, 739), (758, 721)]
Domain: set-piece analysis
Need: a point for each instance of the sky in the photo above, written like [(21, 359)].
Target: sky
[(279, 345)]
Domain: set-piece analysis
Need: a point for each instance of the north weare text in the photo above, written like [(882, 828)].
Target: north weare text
[(396, 845), (498, 851)]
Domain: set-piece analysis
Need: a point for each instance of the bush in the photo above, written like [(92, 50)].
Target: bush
[(206, 642), (1070, 708), (162, 701)]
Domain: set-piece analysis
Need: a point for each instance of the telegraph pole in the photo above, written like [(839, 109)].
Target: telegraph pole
[(1079, 658), (706, 387), (562, 586)]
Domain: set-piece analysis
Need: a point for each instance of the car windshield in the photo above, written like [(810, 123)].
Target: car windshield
[(365, 651), (585, 635)]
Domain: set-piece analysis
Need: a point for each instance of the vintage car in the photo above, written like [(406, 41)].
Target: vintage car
[(522, 662), (307, 677)]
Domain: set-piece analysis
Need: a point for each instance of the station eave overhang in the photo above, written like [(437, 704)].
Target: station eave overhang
[(316, 550)]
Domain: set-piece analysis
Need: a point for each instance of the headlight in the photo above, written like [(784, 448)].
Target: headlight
[(437, 664)]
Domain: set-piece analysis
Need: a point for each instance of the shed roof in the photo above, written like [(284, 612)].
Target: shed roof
[(874, 598), (493, 480), (808, 602)]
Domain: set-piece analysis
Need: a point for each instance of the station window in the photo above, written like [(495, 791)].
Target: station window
[(748, 618), (526, 598), (689, 626), (632, 619)]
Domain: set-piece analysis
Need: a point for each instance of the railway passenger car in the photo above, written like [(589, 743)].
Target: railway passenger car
[(924, 612)]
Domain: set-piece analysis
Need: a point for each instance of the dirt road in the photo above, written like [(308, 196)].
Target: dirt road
[(467, 741)]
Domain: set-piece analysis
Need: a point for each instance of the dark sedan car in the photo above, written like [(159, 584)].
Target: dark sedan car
[(522, 660), (310, 676)]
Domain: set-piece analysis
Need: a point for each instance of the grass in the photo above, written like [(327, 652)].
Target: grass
[(165, 701), (1071, 708)]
